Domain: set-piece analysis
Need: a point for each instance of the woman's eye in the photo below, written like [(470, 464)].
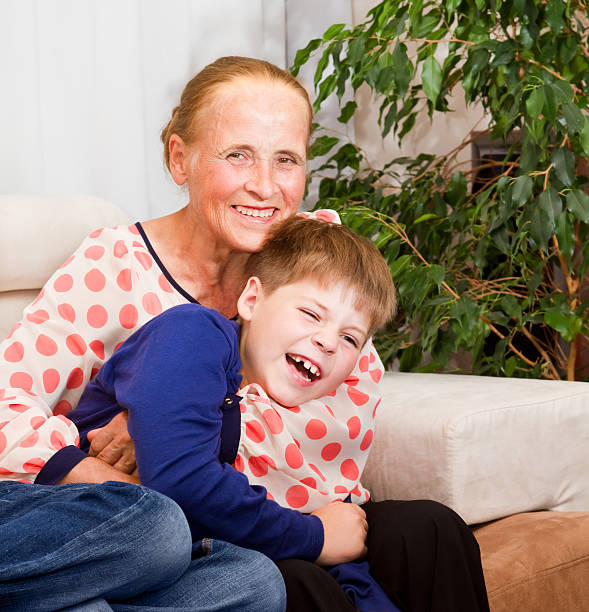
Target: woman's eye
[(236, 156), (286, 160)]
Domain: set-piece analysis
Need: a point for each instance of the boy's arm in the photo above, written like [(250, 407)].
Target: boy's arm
[(173, 379)]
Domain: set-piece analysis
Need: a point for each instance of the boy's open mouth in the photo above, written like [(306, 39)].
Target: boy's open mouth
[(310, 371)]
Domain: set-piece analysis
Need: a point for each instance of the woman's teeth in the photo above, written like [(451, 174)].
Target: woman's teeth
[(255, 212)]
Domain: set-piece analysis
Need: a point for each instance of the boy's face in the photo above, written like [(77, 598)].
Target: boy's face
[(301, 341)]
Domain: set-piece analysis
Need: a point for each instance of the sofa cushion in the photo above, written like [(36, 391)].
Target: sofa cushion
[(487, 447), (38, 233), (536, 561)]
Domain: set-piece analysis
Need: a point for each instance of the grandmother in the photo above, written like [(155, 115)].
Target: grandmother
[(238, 143)]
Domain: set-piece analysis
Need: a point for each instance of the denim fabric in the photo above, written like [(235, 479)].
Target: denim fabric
[(114, 546)]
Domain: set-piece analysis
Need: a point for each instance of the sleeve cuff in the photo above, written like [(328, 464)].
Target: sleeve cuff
[(317, 538), (60, 465)]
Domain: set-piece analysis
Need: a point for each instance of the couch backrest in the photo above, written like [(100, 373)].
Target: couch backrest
[(37, 234)]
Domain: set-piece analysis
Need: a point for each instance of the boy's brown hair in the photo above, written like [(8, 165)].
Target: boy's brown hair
[(299, 248)]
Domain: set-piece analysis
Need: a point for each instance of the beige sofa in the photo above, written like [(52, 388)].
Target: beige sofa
[(510, 456)]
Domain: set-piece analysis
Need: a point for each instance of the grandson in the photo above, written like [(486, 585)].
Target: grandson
[(315, 295)]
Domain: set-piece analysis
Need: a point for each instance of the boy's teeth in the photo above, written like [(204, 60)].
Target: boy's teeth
[(307, 365), (255, 212)]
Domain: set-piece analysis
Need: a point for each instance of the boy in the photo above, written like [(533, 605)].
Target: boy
[(315, 295)]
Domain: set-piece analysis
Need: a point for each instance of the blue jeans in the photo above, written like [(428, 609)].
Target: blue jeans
[(115, 546)]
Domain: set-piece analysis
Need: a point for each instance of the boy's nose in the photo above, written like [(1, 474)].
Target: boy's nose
[(324, 342)]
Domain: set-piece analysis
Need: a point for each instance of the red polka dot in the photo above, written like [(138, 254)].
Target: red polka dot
[(14, 328), (30, 440), (254, 431), (57, 440), (349, 469), (14, 352), (315, 429), (357, 397), (18, 407), (36, 422), (297, 496), (2, 442), (257, 466), (330, 451), (125, 280), (329, 410), (332, 393), (50, 380), (67, 262), (93, 373), (46, 345), (97, 348), (354, 426), (144, 259), (39, 316), (293, 456), (375, 407), (356, 491), (96, 232), (63, 283), (238, 463), (376, 375), (151, 304), (94, 252), (317, 471), (366, 496), (310, 482), (76, 344), (32, 466), (128, 316), (366, 440), (119, 249), (62, 407), (133, 229), (67, 312), (273, 420), (372, 357), (165, 284), (117, 346), (364, 364), (97, 316), (352, 380), (75, 379), (340, 489), (270, 496), (95, 280)]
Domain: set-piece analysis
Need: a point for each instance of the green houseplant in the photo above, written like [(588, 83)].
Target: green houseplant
[(494, 268)]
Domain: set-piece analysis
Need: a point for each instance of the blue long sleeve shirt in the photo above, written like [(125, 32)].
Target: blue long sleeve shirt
[(172, 376)]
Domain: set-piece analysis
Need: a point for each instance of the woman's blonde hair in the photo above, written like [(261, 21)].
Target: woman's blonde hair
[(328, 253), (201, 89)]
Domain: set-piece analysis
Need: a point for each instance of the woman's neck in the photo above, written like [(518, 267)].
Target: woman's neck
[(213, 274)]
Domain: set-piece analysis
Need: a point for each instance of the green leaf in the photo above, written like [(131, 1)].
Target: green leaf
[(355, 50), (431, 78), (511, 306), (403, 68), (563, 161), (522, 189), (577, 202), (333, 31), (302, 55), (584, 136), (457, 188), (565, 234), (554, 15), (437, 273), (550, 202), (322, 145), (347, 111), (535, 102), (549, 102), (425, 217), (574, 117)]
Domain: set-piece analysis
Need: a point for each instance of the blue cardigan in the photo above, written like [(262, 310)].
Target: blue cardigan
[(173, 376)]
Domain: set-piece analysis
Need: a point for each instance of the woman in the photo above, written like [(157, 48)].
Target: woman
[(238, 142)]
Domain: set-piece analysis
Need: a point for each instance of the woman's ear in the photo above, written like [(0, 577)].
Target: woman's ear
[(178, 159), (249, 298)]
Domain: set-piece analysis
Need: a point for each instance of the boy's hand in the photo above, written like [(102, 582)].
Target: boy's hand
[(345, 529)]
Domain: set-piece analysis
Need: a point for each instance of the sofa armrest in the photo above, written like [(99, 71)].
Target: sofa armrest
[(487, 447)]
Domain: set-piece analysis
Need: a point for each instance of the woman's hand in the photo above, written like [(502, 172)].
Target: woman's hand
[(345, 529), (113, 445), (91, 469)]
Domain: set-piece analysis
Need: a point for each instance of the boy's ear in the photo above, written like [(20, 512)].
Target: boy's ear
[(249, 298)]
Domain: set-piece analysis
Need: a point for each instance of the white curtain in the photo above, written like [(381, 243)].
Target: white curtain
[(87, 85)]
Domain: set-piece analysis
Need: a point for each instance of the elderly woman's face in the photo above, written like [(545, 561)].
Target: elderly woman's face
[(246, 169)]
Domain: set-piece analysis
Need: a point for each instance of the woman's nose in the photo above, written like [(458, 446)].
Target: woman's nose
[(261, 182)]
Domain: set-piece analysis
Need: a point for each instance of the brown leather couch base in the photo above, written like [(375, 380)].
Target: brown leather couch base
[(536, 562)]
